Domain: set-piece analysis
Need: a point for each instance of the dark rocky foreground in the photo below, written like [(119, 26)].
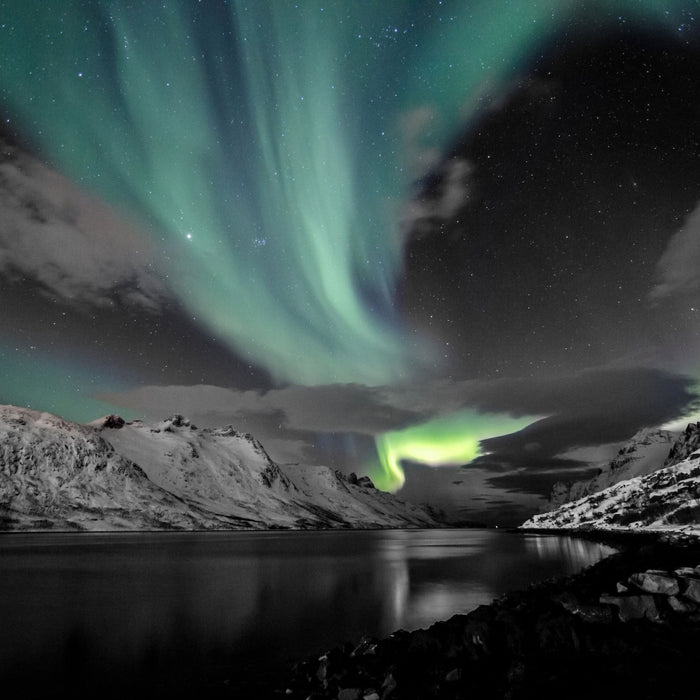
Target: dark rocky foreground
[(627, 627)]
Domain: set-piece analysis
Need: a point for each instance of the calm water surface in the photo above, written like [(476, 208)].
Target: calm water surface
[(107, 614)]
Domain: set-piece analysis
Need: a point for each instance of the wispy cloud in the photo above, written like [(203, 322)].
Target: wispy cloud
[(442, 201), (677, 269)]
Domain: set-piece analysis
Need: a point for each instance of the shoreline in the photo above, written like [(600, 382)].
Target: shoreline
[(566, 637)]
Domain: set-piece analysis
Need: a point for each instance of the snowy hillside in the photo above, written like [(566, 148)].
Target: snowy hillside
[(642, 454), (59, 474), (115, 475), (667, 499)]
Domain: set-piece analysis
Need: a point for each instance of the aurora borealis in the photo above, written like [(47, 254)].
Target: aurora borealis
[(371, 203), (452, 440)]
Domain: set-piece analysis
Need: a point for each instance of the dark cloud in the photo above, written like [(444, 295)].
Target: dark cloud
[(592, 408), (538, 482), (70, 243)]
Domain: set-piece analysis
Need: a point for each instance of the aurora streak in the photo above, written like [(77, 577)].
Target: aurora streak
[(262, 144)]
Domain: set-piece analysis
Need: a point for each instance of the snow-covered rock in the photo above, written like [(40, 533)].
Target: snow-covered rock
[(115, 475), (645, 452), (687, 443)]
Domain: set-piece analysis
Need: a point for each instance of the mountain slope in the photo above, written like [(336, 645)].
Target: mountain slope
[(667, 499), (115, 475), (644, 453), (59, 474)]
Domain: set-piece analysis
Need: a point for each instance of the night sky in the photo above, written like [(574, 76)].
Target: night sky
[(452, 245)]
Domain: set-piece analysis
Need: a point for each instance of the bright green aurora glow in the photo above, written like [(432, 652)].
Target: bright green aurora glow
[(447, 440)]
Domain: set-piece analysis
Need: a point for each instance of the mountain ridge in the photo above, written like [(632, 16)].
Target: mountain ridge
[(117, 475)]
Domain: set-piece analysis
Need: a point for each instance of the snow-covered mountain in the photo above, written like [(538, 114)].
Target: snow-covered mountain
[(665, 499), (645, 452), (112, 475)]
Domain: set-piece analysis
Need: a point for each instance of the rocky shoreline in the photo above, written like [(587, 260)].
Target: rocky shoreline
[(629, 626)]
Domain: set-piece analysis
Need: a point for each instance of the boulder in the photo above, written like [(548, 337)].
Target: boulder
[(632, 607), (691, 589), (682, 606), (655, 582), (454, 675), (389, 685)]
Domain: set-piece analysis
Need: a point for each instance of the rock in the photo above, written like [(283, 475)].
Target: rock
[(372, 695), (365, 482), (454, 675), (621, 588), (594, 614), (632, 607), (637, 607), (681, 606), (367, 645), (659, 582), (588, 613), (691, 589), (422, 641), (349, 694), (322, 672), (685, 571), (113, 422), (389, 685)]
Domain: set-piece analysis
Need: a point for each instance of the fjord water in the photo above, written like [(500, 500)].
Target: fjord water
[(175, 613)]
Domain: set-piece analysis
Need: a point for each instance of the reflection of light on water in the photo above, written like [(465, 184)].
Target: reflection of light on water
[(575, 553), (434, 544), (419, 587), (419, 606), (398, 593), (441, 601)]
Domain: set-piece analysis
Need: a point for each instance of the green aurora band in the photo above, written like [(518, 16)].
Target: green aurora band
[(262, 142), (263, 145), (448, 440)]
